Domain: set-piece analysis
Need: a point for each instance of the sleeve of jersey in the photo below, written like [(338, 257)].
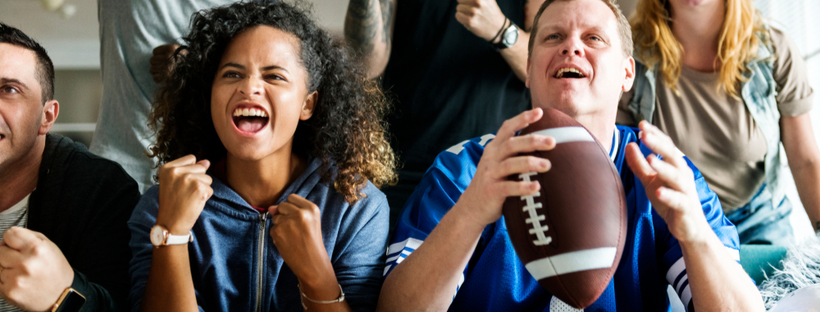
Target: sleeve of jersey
[(440, 188), (672, 259)]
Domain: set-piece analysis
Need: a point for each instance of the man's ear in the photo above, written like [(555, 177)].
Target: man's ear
[(50, 111), (527, 81), (629, 71), (309, 105)]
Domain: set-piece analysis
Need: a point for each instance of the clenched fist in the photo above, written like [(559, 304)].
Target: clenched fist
[(34, 271), (184, 187), (297, 234), (481, 17)]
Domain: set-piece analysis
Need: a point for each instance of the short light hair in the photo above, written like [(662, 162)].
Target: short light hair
[(623, 25)]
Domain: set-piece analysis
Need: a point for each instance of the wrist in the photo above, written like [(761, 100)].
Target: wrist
[(172, 226), (498, 34), (466, 219), (320, 289), (697, 233)]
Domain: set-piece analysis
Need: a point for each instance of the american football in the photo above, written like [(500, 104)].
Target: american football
[(571, 233)]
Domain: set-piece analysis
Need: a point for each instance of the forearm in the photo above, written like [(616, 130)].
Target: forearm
[(170, 286), (717, 282), (516, 55), (323, 287), (807, 180), (368, 30), (428, 278)]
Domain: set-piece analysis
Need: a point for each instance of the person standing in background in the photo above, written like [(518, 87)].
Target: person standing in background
[(129, 32), (456, 70), (729, 89)]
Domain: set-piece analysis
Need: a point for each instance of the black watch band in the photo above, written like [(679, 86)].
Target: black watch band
[(69, 301)]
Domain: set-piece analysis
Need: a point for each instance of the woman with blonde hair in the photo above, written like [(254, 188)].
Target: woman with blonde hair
[(729, 89)]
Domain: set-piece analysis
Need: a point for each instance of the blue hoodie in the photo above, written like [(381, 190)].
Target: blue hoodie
[(235, 265)]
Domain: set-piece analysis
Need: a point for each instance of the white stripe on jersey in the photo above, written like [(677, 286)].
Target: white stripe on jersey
[(401, 250), (412, 243), (582, 260), (686, 297), (734, 253), (682, 285), (616, 144), (567, 134), (674, 271)]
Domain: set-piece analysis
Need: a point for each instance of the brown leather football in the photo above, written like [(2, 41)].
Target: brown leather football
[(571, 234)]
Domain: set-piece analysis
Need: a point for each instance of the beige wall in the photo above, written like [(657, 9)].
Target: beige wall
[(627, 6)]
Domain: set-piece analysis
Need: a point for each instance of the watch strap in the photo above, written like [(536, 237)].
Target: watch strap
[(70, 301), (502, 44), (172, 239)]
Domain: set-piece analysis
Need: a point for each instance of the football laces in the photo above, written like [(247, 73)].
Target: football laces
[(535, 218)]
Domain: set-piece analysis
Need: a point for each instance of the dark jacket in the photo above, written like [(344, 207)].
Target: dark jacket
[(82, 203)]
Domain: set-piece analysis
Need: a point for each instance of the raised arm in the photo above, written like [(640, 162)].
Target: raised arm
[(427, 279), (717, 282), (804, 161), (485, 19), (369, 31), (184, 189)]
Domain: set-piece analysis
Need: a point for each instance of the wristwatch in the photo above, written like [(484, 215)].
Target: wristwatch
[(508, 37), (161, 237), (69, 301)]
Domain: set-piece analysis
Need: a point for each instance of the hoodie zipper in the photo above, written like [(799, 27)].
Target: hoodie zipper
[(260, 261)]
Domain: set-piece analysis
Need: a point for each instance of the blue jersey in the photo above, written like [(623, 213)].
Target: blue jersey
[(496, 280)]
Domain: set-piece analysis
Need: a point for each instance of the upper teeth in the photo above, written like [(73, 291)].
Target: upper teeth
[(567, 70), (249, 112)]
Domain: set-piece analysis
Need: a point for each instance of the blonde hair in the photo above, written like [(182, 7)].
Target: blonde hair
[(743, 31)]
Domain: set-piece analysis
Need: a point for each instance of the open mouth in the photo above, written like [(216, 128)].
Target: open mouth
[(250, 120), (569, 72)]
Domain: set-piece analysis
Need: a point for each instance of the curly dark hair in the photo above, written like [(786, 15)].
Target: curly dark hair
[(347, 129)]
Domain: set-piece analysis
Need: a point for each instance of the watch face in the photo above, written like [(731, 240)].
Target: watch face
[(510, 36), (157, 235)]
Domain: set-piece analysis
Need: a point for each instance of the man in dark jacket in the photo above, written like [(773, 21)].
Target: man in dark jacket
[(63, 210)]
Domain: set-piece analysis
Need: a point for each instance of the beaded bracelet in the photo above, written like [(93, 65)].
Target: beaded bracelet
[(337, 300)]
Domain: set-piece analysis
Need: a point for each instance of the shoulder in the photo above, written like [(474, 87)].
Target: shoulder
[(782, 47), (778, 37), (64, 155), (373, 202), (464, 154), (71, 173)]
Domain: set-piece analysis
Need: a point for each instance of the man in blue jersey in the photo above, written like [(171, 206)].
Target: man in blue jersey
[(451, 248)]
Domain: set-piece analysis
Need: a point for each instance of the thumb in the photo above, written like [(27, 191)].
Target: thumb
[(204, 162), (273, 209)]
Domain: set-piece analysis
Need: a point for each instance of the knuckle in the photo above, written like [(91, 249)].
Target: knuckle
[(509, 144), (533, 162), (173, 171)]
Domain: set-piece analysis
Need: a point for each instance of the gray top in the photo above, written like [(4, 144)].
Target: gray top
[(17, 215), (129, 31)]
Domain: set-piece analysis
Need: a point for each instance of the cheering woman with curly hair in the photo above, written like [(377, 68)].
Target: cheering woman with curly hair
[(272, 147), (729, 89)]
